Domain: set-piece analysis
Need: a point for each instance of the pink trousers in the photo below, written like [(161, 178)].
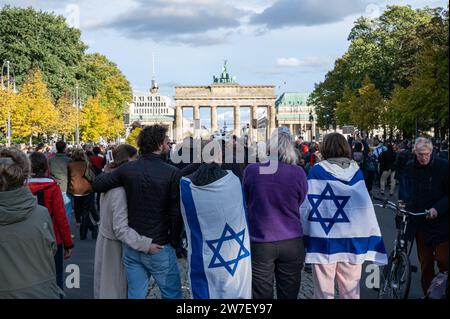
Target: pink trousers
[(347, 276)]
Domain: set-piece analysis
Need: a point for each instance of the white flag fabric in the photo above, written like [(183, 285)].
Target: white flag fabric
[(338, 217), (219, 264)]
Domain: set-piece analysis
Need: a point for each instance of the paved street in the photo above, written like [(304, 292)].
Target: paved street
[(83, 256)]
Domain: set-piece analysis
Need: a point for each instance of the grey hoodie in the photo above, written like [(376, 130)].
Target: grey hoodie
[(27, 247)]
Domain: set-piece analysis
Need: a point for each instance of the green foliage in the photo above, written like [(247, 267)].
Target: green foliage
[(404, 52), (30, 38), (43, 42), (100, 77)]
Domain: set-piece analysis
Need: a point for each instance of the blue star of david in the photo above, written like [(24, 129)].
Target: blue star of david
[(339, 215), (215, 245)]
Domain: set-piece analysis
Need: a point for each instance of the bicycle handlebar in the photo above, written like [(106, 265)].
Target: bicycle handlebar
[(393, 206)]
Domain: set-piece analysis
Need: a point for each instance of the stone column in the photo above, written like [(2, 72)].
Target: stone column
[(253, 116), (213, 119), (196, 118), (273, 114), (237, 120), (291, 129), (179, 123)]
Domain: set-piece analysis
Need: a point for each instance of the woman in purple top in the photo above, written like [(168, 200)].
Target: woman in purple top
[(276, 233)]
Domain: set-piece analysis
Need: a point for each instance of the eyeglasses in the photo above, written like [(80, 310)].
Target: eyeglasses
[(423, 154)]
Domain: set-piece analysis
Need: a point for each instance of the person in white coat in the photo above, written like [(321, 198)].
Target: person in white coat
[(110, 280)]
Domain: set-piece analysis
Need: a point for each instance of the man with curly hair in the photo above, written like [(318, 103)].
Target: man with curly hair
[(153, 199)]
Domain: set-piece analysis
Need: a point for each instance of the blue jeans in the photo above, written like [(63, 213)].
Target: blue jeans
[(163, 266), (68, 205), (59, 259)]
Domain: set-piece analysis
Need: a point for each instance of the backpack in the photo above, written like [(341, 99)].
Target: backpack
[(371, 164), (358, 158), (439, 287)]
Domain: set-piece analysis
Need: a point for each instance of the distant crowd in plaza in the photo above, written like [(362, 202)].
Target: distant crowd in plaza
[(242, 231)]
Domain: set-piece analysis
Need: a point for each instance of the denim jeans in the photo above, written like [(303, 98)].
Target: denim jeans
[(163, 266), (68, 205), (59, 260)]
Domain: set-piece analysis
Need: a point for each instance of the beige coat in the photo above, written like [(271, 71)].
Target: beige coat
[(110, 280)]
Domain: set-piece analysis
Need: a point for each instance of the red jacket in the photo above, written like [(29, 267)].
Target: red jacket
[(97, 161), (54, 202)]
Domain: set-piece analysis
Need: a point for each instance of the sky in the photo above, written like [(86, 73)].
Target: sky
[(287, 43)]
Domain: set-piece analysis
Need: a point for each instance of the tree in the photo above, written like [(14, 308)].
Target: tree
[(100, 77), (7, 103), (385, 48), (132, 138), (34, 113), (115, 127), (32, 38), (326, 94), (68, 116), (362, 109), (136, 128), (429, 89), (424, 103), (404, 52), (94, 121), (366, 107), (343, 109), (400, 113)]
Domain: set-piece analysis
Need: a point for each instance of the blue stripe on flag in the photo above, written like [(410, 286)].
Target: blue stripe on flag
[(199, 282), (359, 245), (319, 173)]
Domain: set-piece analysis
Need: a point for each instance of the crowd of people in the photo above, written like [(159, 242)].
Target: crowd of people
[(246, 231)]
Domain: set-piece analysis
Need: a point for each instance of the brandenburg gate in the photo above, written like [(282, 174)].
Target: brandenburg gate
[(225, 92)]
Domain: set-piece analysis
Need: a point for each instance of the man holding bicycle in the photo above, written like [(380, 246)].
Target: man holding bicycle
[(429, 191)]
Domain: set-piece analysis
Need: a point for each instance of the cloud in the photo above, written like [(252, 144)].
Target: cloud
[(35, 3), (179, 21), (288, 62), (308, 62), (307, 12), (196, 40)]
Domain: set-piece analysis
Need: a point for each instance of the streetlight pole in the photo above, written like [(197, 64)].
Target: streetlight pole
[(77, 105), (8, 85), (311, 119)]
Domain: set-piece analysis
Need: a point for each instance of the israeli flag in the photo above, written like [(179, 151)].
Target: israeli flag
[(338, 217), (219, 264)]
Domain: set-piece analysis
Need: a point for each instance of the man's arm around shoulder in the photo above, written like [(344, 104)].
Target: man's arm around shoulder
[(107, 181)]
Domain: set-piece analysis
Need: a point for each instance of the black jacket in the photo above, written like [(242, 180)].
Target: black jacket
[(153, 197), (429, 189), (401, 162), (387, 160)]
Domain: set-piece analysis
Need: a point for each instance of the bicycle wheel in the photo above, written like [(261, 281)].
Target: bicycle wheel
[(395, 278)]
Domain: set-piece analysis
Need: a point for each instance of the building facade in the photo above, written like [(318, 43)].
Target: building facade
[(294, 112), (225, 92), (149, 108)]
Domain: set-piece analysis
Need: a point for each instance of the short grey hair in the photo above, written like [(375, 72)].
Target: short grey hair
[(285, 145), (422, 142)]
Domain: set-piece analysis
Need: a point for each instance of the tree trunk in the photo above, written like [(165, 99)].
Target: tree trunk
[(444, 133), (31, 141)]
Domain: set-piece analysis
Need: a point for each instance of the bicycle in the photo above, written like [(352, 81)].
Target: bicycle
[(395, 278)]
